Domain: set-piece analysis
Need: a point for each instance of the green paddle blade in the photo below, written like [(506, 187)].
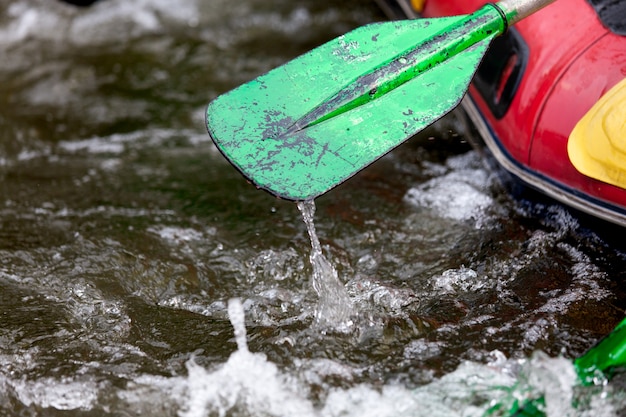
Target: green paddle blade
[(608, 354), (309, 125)]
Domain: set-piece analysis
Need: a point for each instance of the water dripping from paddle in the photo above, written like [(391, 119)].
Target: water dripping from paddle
[(335, 307)]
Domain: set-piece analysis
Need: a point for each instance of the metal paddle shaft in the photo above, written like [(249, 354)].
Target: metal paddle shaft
[(516, 10), (310, 124)]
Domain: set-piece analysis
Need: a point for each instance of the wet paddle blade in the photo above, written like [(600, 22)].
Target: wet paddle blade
[(309, 125)]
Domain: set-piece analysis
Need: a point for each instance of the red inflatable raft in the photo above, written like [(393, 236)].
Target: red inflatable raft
[(549, 99)]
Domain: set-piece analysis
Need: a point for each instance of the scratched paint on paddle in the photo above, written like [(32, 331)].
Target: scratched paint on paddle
[(309, 125)]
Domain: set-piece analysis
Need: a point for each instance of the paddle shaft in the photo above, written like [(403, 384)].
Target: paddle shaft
[(516, 10)]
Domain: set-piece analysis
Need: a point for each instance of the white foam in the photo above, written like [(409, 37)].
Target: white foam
[(93, 145), (248, 384), (176, 234), (246, 381), (422, 349), (106, 22), (119, 142), (122, 20), (554, 378), (464, 392), (62, 394), (463, 279), (461, 194), (275, 265), (393, 300), (30, 21)]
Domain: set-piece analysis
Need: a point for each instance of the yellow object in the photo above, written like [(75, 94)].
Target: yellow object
[(597, 144), (418, 5)]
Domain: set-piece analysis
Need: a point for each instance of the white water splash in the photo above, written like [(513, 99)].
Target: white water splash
[(335, 307), (60, 394), (246, 384), (238, 320), (461, 194)]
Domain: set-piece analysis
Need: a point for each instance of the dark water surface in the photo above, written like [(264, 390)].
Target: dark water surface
[(124, 234)]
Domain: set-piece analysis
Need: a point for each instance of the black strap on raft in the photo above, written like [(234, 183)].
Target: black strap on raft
[(612, 14)]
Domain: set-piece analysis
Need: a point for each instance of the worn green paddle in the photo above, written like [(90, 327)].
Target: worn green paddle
[(310, 124)]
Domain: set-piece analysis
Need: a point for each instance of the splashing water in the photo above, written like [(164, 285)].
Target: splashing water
[(335, 307), (250, 385), (238, 320), (246, 384)]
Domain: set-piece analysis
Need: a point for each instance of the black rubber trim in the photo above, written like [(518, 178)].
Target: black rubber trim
[(612, 14), (498, 93)]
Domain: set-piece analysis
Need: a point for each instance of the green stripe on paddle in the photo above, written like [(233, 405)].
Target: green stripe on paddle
[(307, 126)]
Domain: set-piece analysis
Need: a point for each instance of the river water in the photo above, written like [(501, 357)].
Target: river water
[(141, 275)]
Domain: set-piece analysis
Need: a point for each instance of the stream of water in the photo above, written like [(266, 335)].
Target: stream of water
[(141, 275), (335, 307)]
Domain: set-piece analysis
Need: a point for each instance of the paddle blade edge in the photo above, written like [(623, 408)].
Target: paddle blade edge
[(248, 124)]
